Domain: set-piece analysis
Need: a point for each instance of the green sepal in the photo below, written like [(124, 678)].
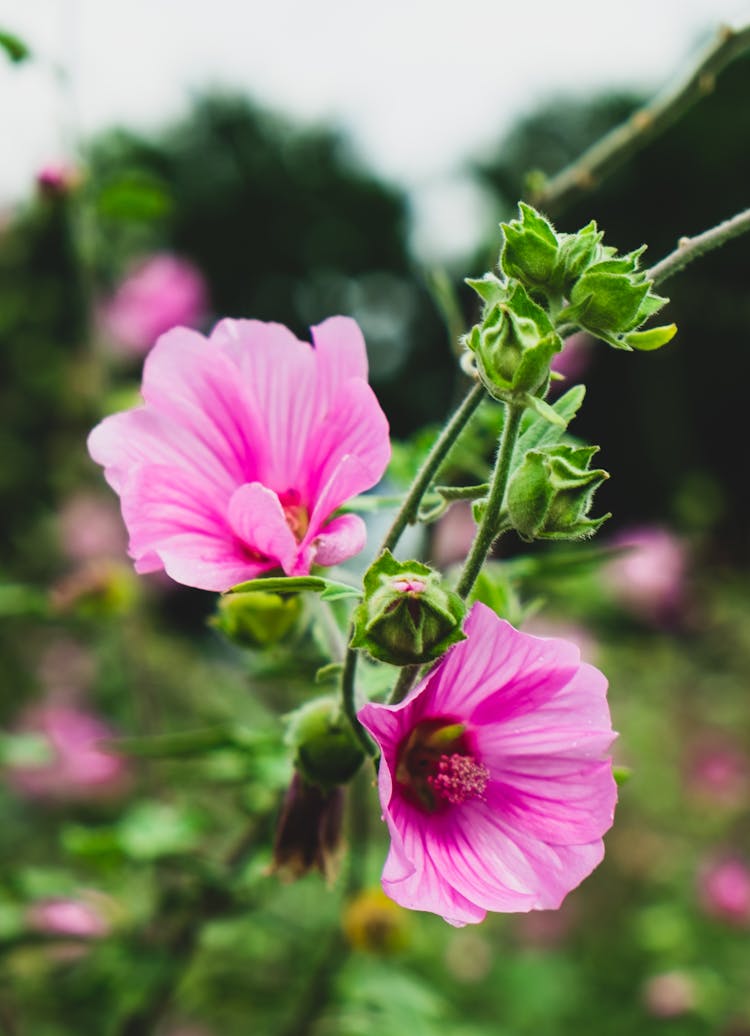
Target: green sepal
[(545, 411), (326, 752), (514, 345), (489, 288), (297, 584), (653, 338), (530, 249), (551, 492), (538, 430), (576, 253), (256, 619), (408, 615)]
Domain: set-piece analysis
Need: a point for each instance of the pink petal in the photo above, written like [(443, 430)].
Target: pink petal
[(342, 538), (499, 669), (188, 379), (122, 442), (348, 450), (257, 519), (278, 385), (196, 559), (340, 347)]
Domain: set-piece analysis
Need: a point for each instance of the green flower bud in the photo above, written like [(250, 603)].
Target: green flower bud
[(326, 753), (514, 346), (257, 619), (576, 253), (407, 616), (550, 494), (530, 250), (613, 297)]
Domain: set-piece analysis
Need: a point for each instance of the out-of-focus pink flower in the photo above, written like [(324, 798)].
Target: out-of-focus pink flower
[(90, 528), (246, 445), (160, 293), (545, 929), (573, 359), (493, 776), (56, 179), (78, 767), (453, 535), (543, 626), (76, 917), (718, 772), (669, 995), (650, 577), (724, 890)]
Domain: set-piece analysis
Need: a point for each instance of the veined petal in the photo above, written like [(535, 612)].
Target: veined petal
[(340, 346), (195, 559), (342, 538), (354, 427), (278, 386), (188, 379), (257, 520)]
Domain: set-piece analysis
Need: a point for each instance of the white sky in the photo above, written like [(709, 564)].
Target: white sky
[(420, 85)]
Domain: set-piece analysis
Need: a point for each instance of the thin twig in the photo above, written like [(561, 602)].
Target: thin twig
[(690, 248), (643, 125)]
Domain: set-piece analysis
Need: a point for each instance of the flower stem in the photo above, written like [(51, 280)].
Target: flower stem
[(488, 528), (403, 685), (406, 515), (690, 248), (440, 449), (643, 125)]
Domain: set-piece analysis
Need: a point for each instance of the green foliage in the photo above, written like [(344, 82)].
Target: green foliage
[(15, 48)]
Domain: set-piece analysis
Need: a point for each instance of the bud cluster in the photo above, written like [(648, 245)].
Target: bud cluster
[(583, 281)]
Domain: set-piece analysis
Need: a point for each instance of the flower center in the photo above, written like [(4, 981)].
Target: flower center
[(296, 514), (437, 768)]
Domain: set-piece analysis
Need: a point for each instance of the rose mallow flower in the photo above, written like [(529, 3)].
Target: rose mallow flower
[(161, 291), (246, 445), (494, 780)]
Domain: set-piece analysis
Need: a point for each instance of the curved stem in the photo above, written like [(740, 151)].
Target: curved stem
[(401, 688), (488, 529), (349, 704), (690, 248), (440, 449), (406, 515), (643, 125)]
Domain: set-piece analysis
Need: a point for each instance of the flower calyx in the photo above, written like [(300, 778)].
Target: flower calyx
[(257, 620), (408, 616), (326, 753), (515, 342), (551, 492)]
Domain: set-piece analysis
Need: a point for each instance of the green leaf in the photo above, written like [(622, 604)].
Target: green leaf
[(329, 588), (654, 338), (545, 411), (17, 599), (25, 750), (150, 830), (537, 431), (14, 47)]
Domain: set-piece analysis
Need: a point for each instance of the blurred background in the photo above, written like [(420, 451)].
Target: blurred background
[(168, 163)]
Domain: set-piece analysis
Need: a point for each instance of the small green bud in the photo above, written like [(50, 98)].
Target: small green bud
[(326, 752), (530, 250), (407, 616), (550, 494), (258, 619), (576, 253), (514, 346)]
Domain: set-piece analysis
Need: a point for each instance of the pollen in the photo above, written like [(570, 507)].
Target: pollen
[(459, 778)]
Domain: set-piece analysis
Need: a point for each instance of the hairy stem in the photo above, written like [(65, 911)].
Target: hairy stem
[(488, 529), (440, 449), (690, 248), (643, 125)]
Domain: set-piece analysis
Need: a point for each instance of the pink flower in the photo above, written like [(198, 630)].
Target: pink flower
[(161, 292), (89, 527), (724, 890), (247, 444), (649, 577), (493, 779), (77, 768), (75, 917), (574, 358)]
